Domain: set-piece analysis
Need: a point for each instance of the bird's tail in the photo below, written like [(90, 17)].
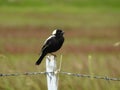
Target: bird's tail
[(40, 59)]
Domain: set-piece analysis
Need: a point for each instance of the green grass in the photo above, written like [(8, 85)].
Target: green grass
[(101, 65), (51, 13), (57, 18), (78, 3)]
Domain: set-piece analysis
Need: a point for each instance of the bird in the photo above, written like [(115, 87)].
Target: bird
[(52, 44)]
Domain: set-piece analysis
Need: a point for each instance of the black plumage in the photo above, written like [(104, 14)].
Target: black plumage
[(52, 44)]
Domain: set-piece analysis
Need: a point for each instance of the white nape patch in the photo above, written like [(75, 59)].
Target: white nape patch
[(54, 32)]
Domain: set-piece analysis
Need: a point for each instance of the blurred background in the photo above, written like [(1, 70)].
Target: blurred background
[(92, 42)]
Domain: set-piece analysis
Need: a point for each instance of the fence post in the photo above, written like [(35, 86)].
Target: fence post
[(52, 79)]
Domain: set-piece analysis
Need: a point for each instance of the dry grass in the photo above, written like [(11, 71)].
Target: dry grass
[(29, 39)]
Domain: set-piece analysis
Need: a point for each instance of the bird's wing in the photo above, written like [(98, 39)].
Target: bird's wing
[(44, 47), (47, 42)]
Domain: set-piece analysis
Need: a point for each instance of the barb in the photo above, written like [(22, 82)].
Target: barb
[(91, 76)]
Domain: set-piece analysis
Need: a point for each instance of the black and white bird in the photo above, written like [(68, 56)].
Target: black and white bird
[(52, 44)]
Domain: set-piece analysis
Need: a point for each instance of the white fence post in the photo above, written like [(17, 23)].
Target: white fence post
[(52, 79)]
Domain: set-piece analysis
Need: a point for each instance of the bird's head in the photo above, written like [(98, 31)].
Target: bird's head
[(58, 32)]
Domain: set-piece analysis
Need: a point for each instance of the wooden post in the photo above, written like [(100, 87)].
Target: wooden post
[(52, 79)]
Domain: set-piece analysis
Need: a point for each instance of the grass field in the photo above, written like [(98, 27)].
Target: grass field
[(92, 29)]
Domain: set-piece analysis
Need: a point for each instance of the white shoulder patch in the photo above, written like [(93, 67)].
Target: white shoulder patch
[(54, 32)]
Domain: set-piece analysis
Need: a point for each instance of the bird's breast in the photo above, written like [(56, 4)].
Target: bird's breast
[(56, 44)]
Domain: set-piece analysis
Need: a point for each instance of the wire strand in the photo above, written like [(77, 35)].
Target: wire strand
[(19, 74), (64, 73), (90, 76)]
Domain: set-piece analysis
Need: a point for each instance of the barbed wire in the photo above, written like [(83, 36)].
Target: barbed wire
[(65, 73), (19, 74), (91, 76)]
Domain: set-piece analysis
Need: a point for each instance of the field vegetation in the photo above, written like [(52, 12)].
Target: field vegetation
[(92, 42)]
